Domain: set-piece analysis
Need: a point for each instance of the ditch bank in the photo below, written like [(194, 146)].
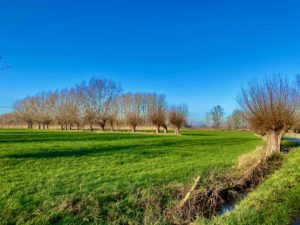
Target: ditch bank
[(221, 193), (212, 195), (275, 201)]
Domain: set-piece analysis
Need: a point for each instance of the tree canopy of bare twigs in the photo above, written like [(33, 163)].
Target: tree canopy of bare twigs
[(25, 111), (10, 120), (217, 114), (97, 103), (133, 107), (100, 95), (158, 111), (270, 108), (178, 117), (237, 120)]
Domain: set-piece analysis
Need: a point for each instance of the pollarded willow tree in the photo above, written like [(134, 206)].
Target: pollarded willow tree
[(178, 117), (24, 110), (114, 114), (132, 105), (45, 104), (270, 108), (157, 108), (101, 94)]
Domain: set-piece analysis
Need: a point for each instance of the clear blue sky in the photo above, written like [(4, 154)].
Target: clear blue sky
[(198, 52)]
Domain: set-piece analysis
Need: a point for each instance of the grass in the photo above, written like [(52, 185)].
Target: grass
[(51, 177), (274, 202)]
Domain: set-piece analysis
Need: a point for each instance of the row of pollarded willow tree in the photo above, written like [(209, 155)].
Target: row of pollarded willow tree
[(99, 103)]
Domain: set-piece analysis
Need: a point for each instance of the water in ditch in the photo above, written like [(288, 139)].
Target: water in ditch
[(296, 222)]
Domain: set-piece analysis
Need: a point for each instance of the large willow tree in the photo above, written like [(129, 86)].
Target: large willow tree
[(271, 108)]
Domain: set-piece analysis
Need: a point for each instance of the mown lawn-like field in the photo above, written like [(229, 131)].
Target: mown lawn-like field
[(55, 177)]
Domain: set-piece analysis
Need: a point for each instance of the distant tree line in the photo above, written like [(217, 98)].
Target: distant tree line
[(99, 103), (10, 120), (215, 119)]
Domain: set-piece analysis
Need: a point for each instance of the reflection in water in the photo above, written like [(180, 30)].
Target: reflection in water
[(226, 208)]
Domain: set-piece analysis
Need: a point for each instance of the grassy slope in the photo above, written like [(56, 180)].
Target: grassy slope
[(65, 177), (273, 203)]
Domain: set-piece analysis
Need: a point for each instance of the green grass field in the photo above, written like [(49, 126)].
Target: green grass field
[(94, 178)]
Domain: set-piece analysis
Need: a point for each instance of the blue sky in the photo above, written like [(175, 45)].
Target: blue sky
[(197, 52)]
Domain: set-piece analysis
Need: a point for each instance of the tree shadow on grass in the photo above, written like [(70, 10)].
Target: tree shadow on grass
[(73, 138), (145, 149), (199, 134), (95, 151)]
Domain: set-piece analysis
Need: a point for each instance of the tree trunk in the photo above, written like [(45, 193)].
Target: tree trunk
[(91, 127), (157, 129), (44, 126), (133, 129), (47, 126), (78, 127), (62, 127), (274, 141), (165, 130), (281, 134), (102, 126), (39, 126), (177, 131)]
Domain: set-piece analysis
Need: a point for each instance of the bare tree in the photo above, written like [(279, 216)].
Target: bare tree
[(208, 120), (87, 102), (114, 113), (217, 114), (61, 108), (178, 116), (133, 120), (132, 106), (25, 111), (112, 122), (158, 112), (101, 94), (44, 109), (270, 108), (237, 120), (90, 118)]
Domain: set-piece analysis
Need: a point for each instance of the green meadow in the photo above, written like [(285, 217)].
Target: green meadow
[(54, 177)]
